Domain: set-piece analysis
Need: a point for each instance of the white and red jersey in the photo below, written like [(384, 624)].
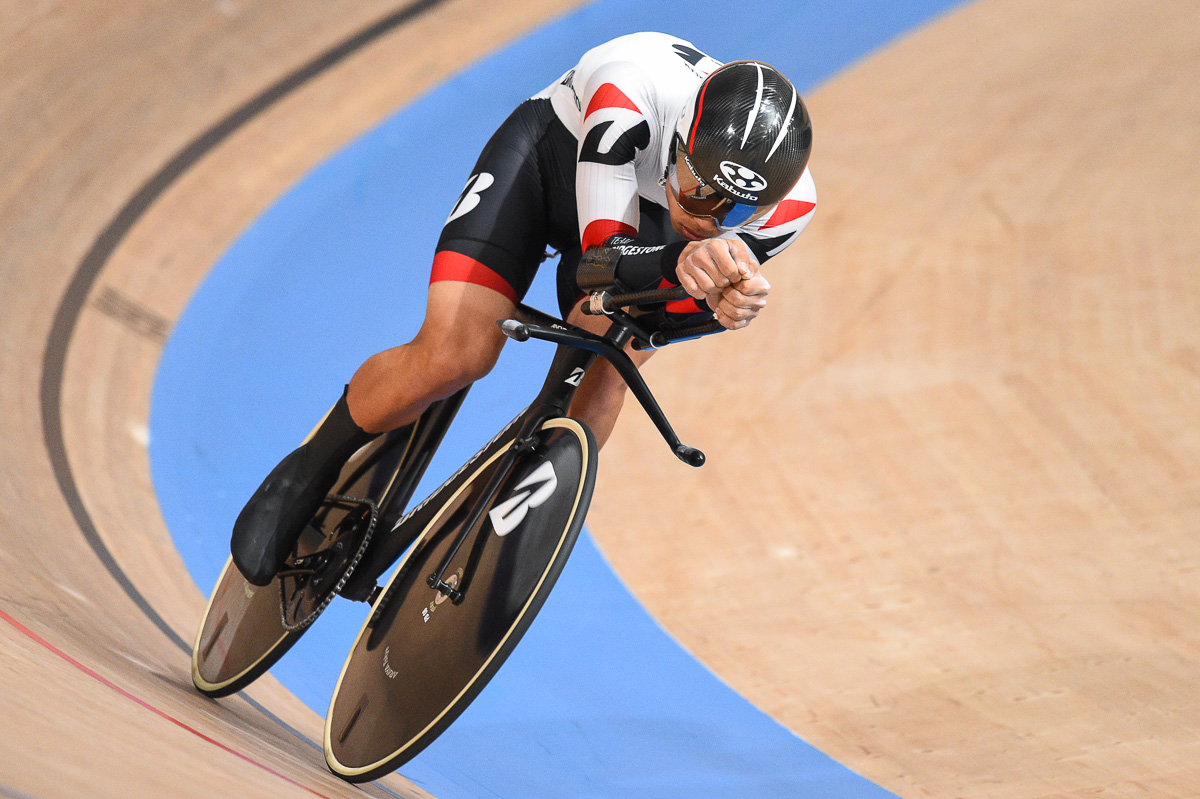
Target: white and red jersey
[(622, 102)]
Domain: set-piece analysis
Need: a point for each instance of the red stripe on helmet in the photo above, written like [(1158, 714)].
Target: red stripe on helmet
[(609, 96), (449, 265), (699, 110)]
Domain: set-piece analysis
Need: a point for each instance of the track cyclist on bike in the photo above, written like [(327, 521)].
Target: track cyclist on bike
[(649, 164)]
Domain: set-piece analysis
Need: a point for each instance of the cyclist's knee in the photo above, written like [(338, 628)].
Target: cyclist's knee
[(459, 341), (458, 368), (454, 361)]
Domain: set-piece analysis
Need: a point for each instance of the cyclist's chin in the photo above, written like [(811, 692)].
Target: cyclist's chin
[(689, 234)]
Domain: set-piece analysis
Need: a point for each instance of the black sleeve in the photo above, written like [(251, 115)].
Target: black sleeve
[(644, 266), (634, 265)]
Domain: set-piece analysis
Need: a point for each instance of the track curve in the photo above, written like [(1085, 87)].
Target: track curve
[(99, 100), (983, 506)]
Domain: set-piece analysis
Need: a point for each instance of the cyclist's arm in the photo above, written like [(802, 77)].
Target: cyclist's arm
[(613, 130), (638, 266), (642, 266), (696, 265)]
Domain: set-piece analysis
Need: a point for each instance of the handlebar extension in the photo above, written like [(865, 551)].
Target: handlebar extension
[(521, 331)]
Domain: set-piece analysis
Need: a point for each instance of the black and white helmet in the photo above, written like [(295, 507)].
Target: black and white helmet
[(746, 137)]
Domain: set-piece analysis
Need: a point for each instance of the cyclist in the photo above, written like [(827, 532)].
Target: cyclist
[(648, 165)]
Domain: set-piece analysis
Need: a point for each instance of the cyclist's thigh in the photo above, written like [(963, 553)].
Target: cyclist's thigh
[(460, 323), (497, 232)]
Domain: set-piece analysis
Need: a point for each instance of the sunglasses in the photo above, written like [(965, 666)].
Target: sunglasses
[(701, 200)]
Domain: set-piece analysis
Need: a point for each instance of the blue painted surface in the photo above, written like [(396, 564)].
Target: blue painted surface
[(597, 701)]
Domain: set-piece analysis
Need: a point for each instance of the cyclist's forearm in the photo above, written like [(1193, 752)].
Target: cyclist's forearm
[(638, 266)]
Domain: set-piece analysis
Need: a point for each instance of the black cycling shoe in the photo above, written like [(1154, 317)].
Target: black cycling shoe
[(267, 529)]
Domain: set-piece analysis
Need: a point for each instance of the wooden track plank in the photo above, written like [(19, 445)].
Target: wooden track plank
[(946, 531), (969, 572)]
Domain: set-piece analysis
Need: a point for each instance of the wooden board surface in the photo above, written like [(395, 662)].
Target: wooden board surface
[(947, 532), (948, 528)]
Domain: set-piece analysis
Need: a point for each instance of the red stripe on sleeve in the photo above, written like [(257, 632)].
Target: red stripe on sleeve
[(449, 265), (609, 96), (787, 211), (598, 231), (683, 306)]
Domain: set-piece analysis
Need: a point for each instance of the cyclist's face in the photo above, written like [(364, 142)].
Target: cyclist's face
[(700, 199), (690, 226)]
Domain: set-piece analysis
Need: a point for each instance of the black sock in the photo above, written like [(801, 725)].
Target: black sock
[(333, 442)]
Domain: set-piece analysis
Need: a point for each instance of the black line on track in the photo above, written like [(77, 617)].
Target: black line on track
[(75, 297)]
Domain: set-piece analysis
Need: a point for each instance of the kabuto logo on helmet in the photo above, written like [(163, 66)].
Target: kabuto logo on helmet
[(743, 177)]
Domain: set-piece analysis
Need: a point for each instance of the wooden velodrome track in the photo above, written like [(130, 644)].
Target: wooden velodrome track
[(948, 529)]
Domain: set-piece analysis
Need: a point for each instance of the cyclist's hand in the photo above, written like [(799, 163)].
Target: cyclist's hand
[(706, 267), (724, 273), (737, 305)]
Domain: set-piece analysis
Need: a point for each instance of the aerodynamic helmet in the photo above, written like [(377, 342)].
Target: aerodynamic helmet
[(740, 145)]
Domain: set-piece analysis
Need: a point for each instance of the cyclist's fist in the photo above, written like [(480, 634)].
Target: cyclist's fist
[(724, 273), (706, 267), (737, 305)]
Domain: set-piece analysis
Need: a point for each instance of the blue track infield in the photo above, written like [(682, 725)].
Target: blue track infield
[(597, 701)]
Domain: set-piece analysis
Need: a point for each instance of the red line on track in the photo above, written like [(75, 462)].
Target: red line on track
[(31, 634)]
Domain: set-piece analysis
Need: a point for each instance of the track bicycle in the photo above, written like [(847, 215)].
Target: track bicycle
[(478, 557)]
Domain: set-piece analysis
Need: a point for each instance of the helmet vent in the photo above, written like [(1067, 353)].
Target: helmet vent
[(754, 109)]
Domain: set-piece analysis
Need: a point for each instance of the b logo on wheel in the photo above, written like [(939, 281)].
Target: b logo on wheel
[(533, 491)]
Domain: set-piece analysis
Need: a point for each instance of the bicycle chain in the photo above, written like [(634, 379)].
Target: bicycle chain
[(362, 548)]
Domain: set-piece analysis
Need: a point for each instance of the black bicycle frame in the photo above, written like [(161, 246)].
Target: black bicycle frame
[(575, 355), (577, 351)]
